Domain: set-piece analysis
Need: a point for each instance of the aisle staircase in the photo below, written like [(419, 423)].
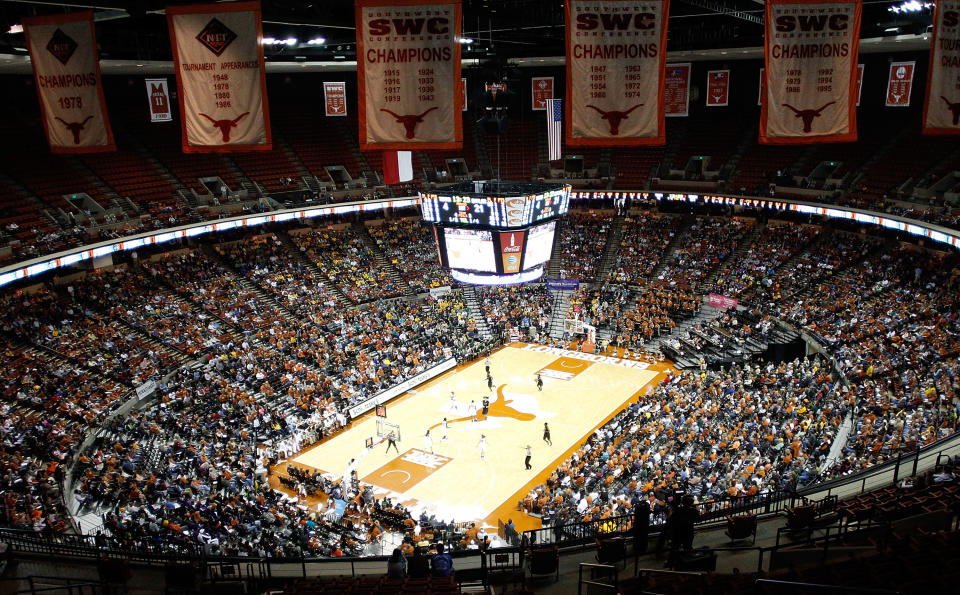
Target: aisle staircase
[(476, 311), (382, 259), (561, 305)]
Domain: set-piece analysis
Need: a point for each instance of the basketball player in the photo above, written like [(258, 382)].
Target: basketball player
[(428, 442), (539, 383), (453, 401), (482, 445), (490, 382), (546, 434), (527, 460), (486, 365), (472, 410), (486, 406), (392, 441), (445, 427)]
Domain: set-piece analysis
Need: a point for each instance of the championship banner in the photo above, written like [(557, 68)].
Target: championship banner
[(617, 52), (408, 63), (859, 82), (541, 90), (218, 57), (676, 90), (941, 112), (810, 50), (159, 98), (63, 52), (718, 88), (511, 248), (900, 84), (335, 98)]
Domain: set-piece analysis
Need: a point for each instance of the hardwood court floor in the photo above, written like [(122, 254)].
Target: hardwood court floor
[(580, 392)]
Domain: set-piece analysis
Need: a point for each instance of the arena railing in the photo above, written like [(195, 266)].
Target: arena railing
[(43, 264)]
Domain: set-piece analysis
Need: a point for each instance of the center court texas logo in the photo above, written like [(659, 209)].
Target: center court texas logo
[(62, 46), (216, 36)]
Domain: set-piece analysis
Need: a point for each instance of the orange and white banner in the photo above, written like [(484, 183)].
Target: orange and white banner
[(408, 65), (900, 84), (941, 112), (63, 52), (810, 50), (335, 98), (718, 88), (617, 52), (859, 82), (676, 90), (218, 57), (541, 88), (158, 95)]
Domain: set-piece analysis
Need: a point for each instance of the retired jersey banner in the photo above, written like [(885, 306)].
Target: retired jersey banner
[(718, 88), (941, 112), (218, 57), (408, 65), (810, 50), (541, 91), (900, 84), (159, 97), (617, 52), (676, 90), (63, 52), (335, 98)]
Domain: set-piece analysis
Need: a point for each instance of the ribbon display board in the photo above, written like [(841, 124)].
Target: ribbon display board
[(616, 51), (158, 95), (408, 64), (810, 50), (941, 112), (335, 98), (63, 52), (218, 58), (718, 88), (541, 90), (676, 90), (900, 84)]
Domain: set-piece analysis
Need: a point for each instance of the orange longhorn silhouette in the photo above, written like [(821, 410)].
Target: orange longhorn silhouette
[(954, 108), (409, 122), (614, 117), (808, 114), (75, 127), (225, 125)]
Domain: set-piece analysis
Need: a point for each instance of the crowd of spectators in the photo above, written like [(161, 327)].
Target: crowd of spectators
[(758, 265), (517, 310), (584, 238), (708, 243), (646, 237), (409, 245)]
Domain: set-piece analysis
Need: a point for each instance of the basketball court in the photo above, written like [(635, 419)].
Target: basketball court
[(581, 391)]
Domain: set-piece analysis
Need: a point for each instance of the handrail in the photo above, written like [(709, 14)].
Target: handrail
[(843, 589)]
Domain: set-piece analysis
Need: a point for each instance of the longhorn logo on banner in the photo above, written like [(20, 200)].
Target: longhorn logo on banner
[(541, 90), (718, 88), (67, 78), (335, 98)]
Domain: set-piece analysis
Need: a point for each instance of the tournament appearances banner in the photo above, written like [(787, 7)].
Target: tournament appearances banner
[(159, 98), (541, 88), (718, 88), (900, 84), (63, 52), (810, 50), (408, 63), (616, 51), (218, 58), (941, 112), (335, 98), (676, 90)]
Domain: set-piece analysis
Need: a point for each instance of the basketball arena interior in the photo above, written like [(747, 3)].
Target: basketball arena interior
[(714, 361)]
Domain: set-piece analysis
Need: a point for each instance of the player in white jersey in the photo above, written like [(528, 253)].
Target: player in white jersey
[(444, 426), (428, 442), (482, 446)]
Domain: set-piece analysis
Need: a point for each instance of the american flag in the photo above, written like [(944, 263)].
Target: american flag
[(554, 127)]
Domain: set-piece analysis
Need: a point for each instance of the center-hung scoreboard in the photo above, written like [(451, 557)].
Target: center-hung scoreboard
[(495, 233)]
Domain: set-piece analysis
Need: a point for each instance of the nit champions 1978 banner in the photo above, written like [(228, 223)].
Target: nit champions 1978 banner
[(941, 112), (810, 50), (218, 57), (616, 51), (408, 66), (63, 52)]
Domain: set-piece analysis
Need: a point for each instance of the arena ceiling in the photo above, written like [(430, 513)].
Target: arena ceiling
[(136, 30)]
